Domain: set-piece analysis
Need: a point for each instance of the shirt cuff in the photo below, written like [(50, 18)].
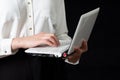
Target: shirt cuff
[(5, 48), (66, 60)]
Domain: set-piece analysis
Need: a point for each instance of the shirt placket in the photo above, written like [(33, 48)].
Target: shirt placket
[(30, 17)]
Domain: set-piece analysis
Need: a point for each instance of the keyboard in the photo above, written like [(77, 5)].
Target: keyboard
[(50, 51)]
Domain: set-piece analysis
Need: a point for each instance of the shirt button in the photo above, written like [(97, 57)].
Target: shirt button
[(28, 2), (30, 28), (30, 16), (5, 51)]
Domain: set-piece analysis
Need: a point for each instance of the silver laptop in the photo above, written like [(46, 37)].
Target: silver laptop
[(84, 28), (83, 31)]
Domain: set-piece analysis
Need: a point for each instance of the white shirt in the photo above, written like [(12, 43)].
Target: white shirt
[(20, 18)]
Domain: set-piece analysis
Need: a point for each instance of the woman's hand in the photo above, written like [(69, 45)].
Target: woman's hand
[(78, 52), (35, 40)]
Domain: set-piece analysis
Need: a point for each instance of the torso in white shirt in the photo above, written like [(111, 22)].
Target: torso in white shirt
[(20, 18)]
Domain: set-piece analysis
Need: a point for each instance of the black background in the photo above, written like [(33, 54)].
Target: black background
[(101, 61)]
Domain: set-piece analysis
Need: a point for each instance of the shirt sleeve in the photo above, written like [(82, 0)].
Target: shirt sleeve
[(61, 24), (66, 60), (5, 48)]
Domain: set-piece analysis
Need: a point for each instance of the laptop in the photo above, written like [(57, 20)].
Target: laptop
[(83, 31)]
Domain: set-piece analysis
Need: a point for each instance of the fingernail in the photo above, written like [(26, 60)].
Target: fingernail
[(64, 54)]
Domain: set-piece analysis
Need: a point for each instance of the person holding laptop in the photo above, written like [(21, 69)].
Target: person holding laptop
[(30, 23)]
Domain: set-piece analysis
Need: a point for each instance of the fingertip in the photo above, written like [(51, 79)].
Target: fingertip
[(69, 57), (75, 48), (58, 43)]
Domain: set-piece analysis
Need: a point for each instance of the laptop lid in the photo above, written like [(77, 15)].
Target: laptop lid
[(84, 29)]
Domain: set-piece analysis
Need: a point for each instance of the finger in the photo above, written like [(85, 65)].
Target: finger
[(77, 50), (77, 53), (49, 39), (48, 42), (74, 58), (84, 46), (54, 39)]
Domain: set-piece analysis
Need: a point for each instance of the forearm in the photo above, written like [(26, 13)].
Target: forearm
[(23, 42), (35, 40), (16, 44)]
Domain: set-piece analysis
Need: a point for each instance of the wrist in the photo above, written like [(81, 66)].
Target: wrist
[(16, 44)]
